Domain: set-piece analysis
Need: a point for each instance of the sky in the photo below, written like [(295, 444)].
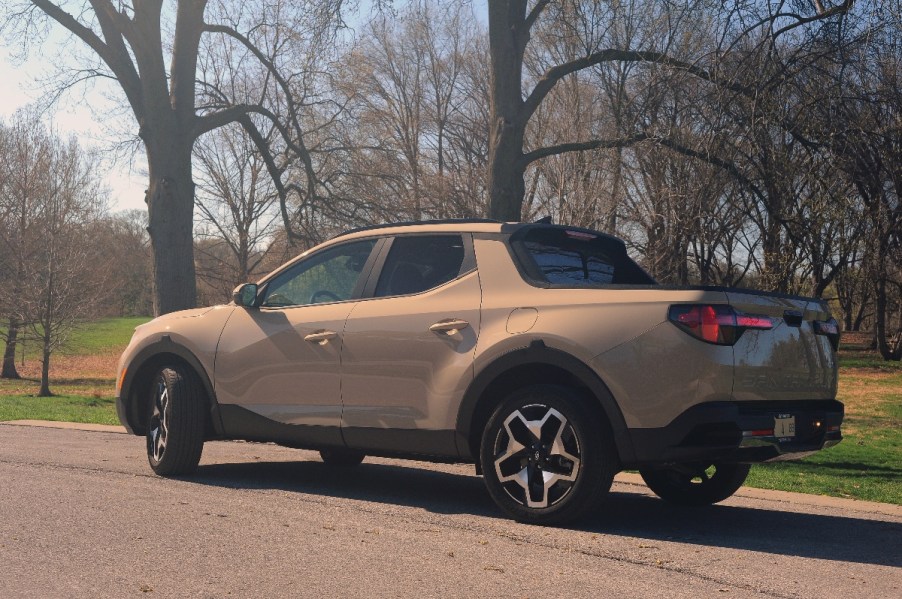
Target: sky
[(73, 114)]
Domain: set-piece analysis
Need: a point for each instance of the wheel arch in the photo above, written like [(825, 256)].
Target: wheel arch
[(142, 369), (535, 364)]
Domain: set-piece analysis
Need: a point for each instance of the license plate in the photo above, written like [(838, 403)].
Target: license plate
[(784, 426)]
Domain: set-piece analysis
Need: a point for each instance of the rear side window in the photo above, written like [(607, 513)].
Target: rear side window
[(421, 262), (575, 258)]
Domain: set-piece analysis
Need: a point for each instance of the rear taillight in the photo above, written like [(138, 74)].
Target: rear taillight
[(828, 328), (716, 323)]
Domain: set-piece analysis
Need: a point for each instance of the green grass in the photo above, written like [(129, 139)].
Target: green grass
[(866, 465), (63, 408), (107, 335), (101, 336), (82, 376), (867, 359)]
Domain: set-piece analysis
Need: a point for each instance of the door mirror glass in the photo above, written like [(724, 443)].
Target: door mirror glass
[(245, 295)]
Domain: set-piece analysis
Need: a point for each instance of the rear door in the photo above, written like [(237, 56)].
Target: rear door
[(407, 353), (788, 361)]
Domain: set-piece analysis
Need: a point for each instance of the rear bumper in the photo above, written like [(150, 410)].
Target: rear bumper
[(740, 432)]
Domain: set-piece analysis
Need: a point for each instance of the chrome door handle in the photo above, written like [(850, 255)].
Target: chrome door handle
[(321, 337), (449, 326)]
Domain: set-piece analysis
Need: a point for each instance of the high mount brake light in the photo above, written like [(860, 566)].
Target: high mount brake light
[(716, 323)]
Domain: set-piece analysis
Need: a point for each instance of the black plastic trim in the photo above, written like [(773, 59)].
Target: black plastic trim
[(127, 401), (429, 445), (384, 441), (713, 432), (241, 423)]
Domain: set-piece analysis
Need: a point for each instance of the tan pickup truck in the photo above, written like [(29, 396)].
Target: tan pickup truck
[(542, 354)]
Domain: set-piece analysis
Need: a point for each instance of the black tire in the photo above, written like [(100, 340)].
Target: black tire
[(696, 484), (341, 458), (175, 426), (573, 445)]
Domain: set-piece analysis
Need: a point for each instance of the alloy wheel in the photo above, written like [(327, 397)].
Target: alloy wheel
[(537, 456), (159, 421)]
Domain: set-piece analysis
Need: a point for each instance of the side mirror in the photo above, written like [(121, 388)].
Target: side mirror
[(245, 295)]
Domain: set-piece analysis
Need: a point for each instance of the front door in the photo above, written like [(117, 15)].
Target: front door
[(281, 361)]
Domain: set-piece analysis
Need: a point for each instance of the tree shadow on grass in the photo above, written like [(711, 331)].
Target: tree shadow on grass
[(780, 532)]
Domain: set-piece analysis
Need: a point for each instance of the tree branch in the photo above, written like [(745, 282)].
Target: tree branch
[(594, 144), (558, 72), (534, 13)]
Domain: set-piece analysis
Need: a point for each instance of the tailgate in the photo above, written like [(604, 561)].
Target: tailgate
[(788, 361)]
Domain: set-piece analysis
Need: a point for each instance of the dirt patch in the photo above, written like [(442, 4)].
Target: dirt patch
[(866, 394), (100, 367)]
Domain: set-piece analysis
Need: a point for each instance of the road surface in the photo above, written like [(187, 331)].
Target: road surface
[(81, 515)]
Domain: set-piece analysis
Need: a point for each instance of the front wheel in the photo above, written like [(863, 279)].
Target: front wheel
[(545, 455), (175, 428), (696, 484)]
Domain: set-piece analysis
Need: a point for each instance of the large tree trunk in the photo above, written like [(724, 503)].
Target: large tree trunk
[(170, 210), (9, 354), (508, 34)]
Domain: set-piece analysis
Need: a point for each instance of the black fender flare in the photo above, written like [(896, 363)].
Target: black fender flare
[(538, 353), (128, 393)]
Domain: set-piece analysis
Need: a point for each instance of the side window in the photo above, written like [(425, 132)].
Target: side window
[(576, 258), (571, 266), (328, 276), (420, 262)]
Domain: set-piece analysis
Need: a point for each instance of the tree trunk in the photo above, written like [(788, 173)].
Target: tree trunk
[(508, 34), (170, 211), (884, 345), (45, 366), (9, 354)]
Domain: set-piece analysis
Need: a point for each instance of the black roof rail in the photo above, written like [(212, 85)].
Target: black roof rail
[(410, 223)]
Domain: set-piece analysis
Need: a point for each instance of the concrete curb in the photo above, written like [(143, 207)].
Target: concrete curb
[(625, 478), (858, 505), (77, 426)]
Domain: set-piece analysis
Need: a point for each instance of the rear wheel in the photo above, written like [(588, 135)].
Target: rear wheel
[(544, 456), (343, 458), (696, 484), (175, 428)]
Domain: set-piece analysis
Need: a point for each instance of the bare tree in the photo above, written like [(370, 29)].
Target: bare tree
[(237, 202), (412, 146), (511, 23), (131, 41), (27, 151)]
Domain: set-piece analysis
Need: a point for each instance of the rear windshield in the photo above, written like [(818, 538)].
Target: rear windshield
[(563, 257)]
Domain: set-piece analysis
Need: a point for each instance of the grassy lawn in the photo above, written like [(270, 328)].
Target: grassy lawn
[(82, 376), (866, 465), (868, 462)]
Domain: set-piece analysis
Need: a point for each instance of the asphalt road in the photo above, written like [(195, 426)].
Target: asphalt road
[(81, 515)]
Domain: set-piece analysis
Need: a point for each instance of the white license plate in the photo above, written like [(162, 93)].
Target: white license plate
[(784, 426)]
